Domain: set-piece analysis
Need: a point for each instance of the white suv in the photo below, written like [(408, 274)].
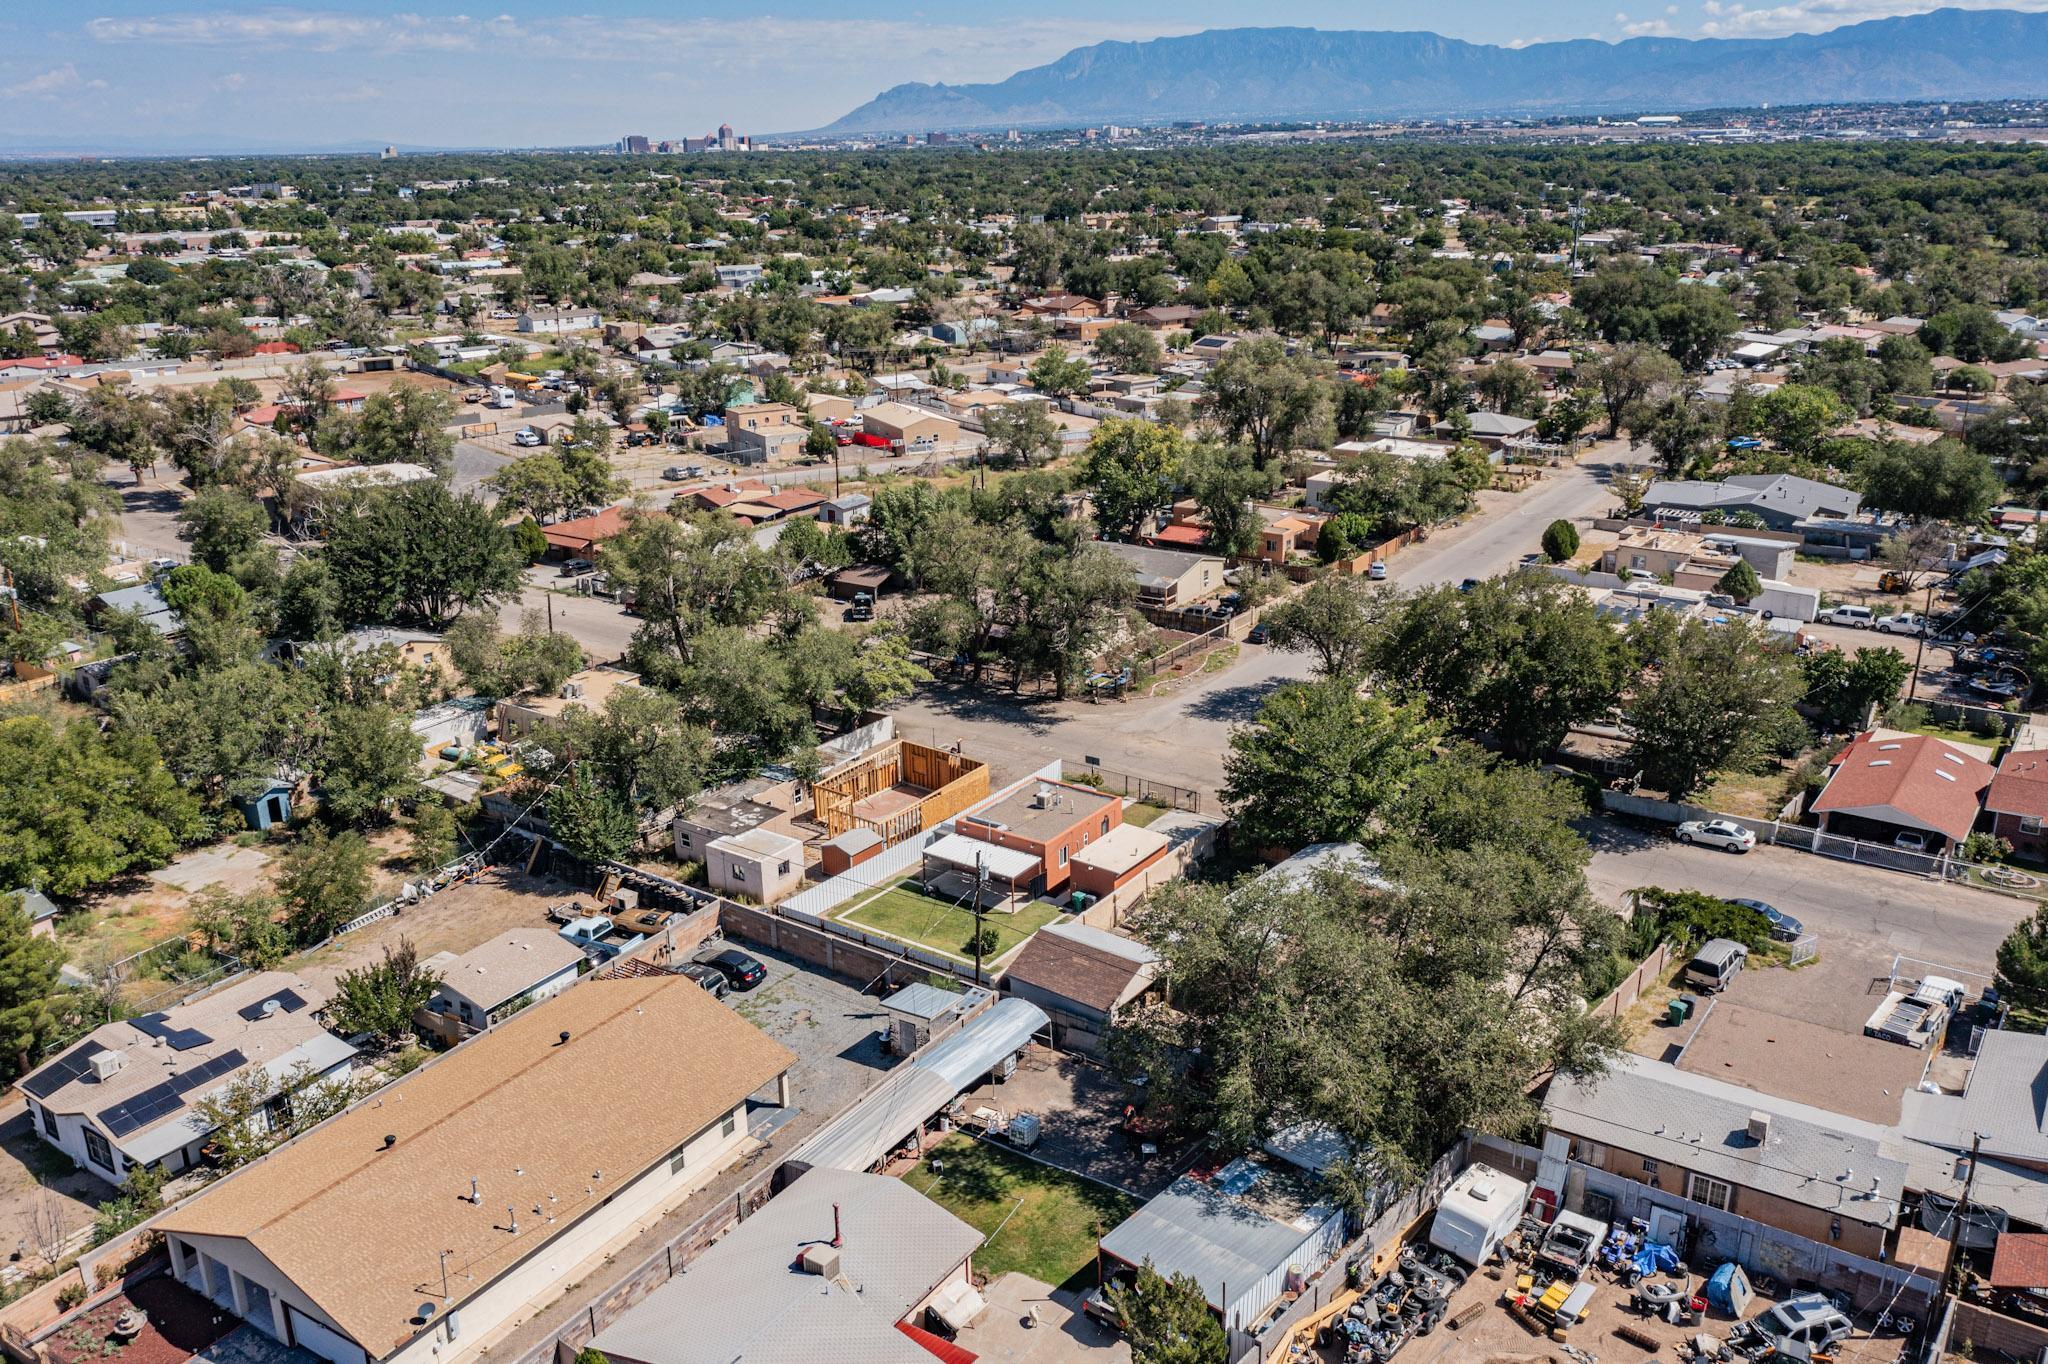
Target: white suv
[(1857, 617)]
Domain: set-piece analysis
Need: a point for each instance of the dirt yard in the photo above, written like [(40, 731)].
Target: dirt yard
[(455, 920)]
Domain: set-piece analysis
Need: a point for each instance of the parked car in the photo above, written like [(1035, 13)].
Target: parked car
[(1260, 634), (1376, 570), (1717, 962), (1095, 1303), (1784, 927), (1803, 1327), (641, 438), (710, 977), (527, 436), (1725, 834), (1904, 623), (1468, 584), (741, 971), (575, 566), (1910, 841), (863, 607), (1855, 617)]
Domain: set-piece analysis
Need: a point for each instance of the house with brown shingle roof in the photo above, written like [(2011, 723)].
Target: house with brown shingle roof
[(1082, 977), (1908, 789), (2018, 800), (419, 1222)]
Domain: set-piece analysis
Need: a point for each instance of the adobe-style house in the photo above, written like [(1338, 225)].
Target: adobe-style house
[(1049, 822)]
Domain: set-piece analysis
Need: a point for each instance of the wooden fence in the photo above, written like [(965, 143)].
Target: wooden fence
[(951, 782), (1623, 996)]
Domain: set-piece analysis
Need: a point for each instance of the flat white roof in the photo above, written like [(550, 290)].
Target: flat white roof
[(958, 850), (1121, 849)]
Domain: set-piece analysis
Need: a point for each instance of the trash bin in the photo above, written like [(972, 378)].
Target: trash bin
[(1692, 1004), (1678, 1011)]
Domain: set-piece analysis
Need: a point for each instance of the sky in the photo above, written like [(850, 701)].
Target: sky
[(144, 75)]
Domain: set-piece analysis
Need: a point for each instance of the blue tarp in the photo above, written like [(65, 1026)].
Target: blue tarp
[(1728, 1290), (1654, 1258)]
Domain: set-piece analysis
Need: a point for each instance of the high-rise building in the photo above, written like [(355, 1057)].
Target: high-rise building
[(937, 139), (636, 145), (390, 154), (726, 140)]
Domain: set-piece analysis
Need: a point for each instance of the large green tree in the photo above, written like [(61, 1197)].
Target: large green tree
[(1719, 698), (79, 807), (418, 552), (1319, 763), (1131, 468)]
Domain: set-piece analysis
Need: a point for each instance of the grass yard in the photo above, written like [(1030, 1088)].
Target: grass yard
[(904, 911), (1053, 1218), (1142, 813)]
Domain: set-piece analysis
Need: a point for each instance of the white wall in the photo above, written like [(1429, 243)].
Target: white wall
[(452, 1001)]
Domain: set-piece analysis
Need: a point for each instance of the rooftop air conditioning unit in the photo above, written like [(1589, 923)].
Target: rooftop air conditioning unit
[(572, 691), (107, 1064), (821, 1260), (1759, 1127)]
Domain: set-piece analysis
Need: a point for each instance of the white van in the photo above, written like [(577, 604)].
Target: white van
[(1855, 617), (1481, 1206)]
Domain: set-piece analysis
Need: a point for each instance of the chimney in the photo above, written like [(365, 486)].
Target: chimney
[(1759, 1127)]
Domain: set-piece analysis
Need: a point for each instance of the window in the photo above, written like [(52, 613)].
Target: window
[(782, 868), (1711, 1192), (679, 1158), (729, 1126), (1063, 857), (1105, 826), (1650, 1167), (2030, 824), (97, 1150), (49, 1121)]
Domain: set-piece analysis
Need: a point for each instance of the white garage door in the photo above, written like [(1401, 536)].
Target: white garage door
[(324, 1341)]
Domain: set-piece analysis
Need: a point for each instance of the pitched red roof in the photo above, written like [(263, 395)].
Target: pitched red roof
[(585, 532), (793, 499), (2021, 786), (937, 1346), (277, 348), (43, 362), (1193, 536), (2021, 1261), (1923, 779)]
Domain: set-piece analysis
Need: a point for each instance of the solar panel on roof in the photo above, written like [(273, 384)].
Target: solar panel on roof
[(287, 1001), (161, 1100), (63, 1070), (177, 1039)]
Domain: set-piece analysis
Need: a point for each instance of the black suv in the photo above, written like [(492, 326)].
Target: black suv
[(741, 971)]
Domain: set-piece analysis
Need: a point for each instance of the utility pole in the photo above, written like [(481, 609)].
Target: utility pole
[(980, 881), (1920, 654), (1955, 1230)]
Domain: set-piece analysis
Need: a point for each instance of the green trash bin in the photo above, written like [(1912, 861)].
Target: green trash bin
[(1681, 1009)]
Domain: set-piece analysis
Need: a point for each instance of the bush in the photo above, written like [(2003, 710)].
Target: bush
[(1560, 541), (985, 942), (1689, 917), (1985, 847), (69, 1296)]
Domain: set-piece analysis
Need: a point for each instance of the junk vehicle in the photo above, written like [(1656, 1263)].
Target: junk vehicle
[(1481, 1206), (1571, 1245), (1802, 1327), (1919, 1016)]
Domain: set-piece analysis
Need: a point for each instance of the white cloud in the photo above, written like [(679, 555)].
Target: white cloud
[(1649, 28), (233, 80), (1733, 20), (52, 84)]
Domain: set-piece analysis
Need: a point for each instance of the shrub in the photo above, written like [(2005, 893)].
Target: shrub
[(1560, 540), (1689, 917), (985, 942), (70, 1295), (1985, 847)]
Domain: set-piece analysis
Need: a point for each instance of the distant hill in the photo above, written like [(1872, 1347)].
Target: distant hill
[(1282, 73)]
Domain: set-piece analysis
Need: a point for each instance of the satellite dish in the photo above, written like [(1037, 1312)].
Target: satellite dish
[(426, 1312)]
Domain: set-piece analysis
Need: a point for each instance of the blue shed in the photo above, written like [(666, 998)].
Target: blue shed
[(272, 805)]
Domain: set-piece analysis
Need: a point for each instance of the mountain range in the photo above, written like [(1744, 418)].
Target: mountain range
[(1253, 74)]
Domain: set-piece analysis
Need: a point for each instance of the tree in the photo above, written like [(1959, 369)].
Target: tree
[(79, 807), (368, 763), (1132, 468), (1225, 482), (1131, 348), (1681, 430), (1167, 1321), (381, 998), (405, 424), (254, 1113), (324, 882), (640, 748), (1337, 619), (593, 822), (1021, 433), (2023, 966), (1916, 553), (1943, 480), (1319, 763), (1506, 386), (1560, 540), (1718, 700), (1269, 399), (1519, 659), (1905, 365), (222, 525), (1626, 377), (244, 927), (434, 835), (693, 573), (1796, 416), (1058, 375), (419, 552), (1843, 689), (1567, 417), (28, 985), (1741, 582)]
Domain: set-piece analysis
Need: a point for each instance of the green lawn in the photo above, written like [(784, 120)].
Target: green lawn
[(1142, 813), (903, 911), (1054, 1218)]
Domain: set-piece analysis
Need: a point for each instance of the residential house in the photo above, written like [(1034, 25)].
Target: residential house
[(580, 537), (742, 276), (766, 801), (147, 601), (2017, 801), (559, 321), (1283, 537), (1911, 789), (1167, 317), (909, 428), (508, 1163), (522, 716), (42, 911), (1680, 557), (1816, 1174), (1082, 977), (759, 864), (128, 1094), (1782, 501), (1049, 822), (494, 980), (1170, 577), (843, 1263), (765, 433), (1494, 430)]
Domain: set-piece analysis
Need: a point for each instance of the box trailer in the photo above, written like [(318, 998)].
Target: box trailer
[(1783, 599), (1481, 1206)]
